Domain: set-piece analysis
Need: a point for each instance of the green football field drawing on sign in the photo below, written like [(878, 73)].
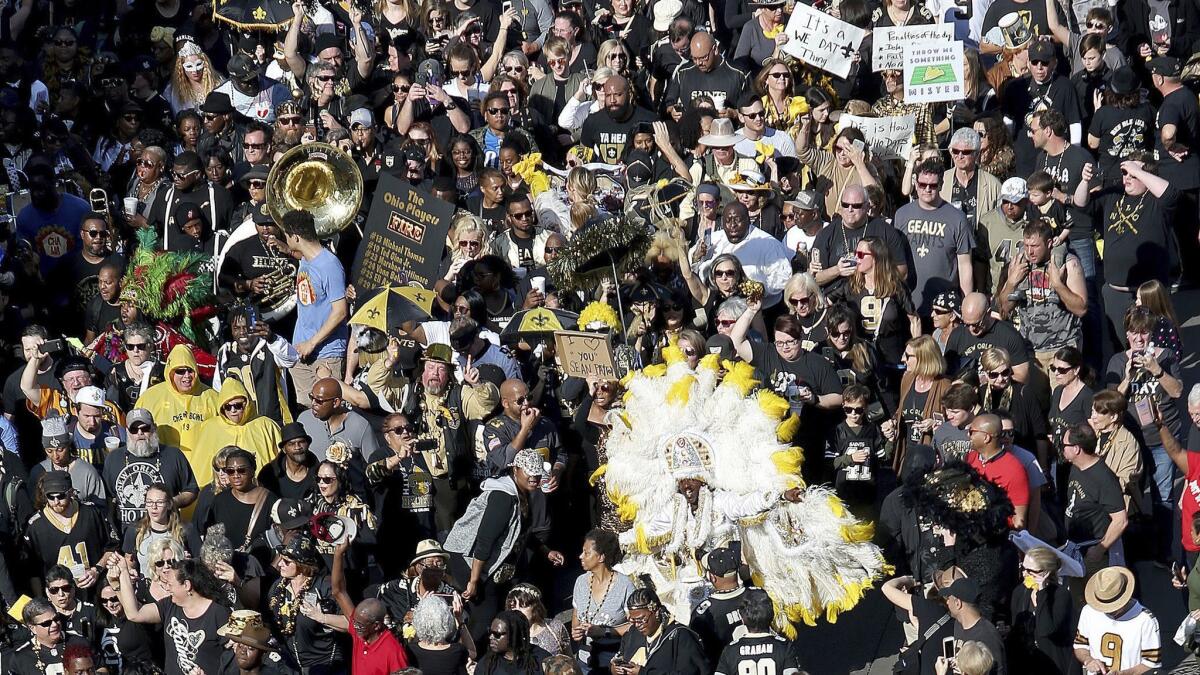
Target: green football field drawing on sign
[(932, 74)]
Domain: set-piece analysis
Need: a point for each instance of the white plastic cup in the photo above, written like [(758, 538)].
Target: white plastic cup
[(111, 443), (546, 468), (539, 284), (131, 204)]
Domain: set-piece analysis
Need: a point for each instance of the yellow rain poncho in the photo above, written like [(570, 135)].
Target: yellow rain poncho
[(258, 435), (178, 414)]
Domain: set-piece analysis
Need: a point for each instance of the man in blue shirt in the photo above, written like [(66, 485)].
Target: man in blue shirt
[(50, 223), (321, 333)]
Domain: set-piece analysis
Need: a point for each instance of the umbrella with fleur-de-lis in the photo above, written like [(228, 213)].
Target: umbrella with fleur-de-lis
[(256, 15), (393, 307)]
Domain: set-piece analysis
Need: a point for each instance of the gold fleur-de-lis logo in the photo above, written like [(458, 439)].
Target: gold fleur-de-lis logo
[(260, 13)]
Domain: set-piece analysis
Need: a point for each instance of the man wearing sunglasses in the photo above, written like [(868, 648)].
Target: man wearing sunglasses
[(69, 532), (999, 466), (142, 461), (520, 426), (181, 403), (45, 652), (940, 239), (829, 261), (981, 331), (259, 358), (1041, 89), (61, 455), (189, 185)]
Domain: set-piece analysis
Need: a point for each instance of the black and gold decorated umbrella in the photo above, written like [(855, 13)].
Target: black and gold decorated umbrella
[(538, 323), (265, 15), (394, 306)]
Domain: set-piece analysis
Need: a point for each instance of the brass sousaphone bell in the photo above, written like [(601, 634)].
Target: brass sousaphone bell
[(318, 178)]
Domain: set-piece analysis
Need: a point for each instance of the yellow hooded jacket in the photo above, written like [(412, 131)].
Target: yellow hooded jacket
[(259, 436), (178, 414)]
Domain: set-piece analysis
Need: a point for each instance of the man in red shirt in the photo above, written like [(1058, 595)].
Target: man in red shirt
[(999, 466), (376, 651), (1190, 503)]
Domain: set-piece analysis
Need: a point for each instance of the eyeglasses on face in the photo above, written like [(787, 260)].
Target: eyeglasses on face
[(56, 496), (779, 75), (1061, 369), (852, 206), (927, 185), (253, 146), (97, 234), (322, 401), (234, 405), (236, 470), (726, 323), (863, 254), (961, 151), (256, 184), (853, 410), (139, 429), (59, 590), (1003, 372), (523, 215), (841, 333), (754, 115), (787, 343), (797, 300), (47, 623), (499, 111), (289, 121), (401, 429), (111, 600), (326, 480), (147, 163)]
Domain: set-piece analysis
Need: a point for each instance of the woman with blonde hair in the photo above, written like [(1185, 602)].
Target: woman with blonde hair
[(973, 658), (1042, 612), (468, 241), (921, 389), (615, 54), (161, 555), (807, 303), (218, 485), (192, 80), (999, 392), (398, 17)]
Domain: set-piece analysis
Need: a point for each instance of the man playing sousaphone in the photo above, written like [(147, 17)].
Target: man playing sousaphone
[(255, 262)]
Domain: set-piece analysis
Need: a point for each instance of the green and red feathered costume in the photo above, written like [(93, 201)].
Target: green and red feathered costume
[(174, 294)]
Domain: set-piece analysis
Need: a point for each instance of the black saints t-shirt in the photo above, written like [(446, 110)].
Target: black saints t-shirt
[(883, 320), (192, 643), (789, 379), (1135, 234), (963, 348), (1022, 97), (1066, 169), (609, 137), (1092, 495), (1075, 412), (966, 197), (1180, 109), (1122, 131)]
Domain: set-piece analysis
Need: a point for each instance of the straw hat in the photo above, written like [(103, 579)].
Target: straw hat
[(721, 134), (246, 627), (1110, 589)]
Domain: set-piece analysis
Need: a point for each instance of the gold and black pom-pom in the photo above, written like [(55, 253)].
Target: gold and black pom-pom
[(590, 256)]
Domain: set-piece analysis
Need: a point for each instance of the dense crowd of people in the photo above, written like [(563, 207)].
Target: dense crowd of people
[(222, 457)]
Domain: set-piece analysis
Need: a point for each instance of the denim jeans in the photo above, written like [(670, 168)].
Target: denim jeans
[(1093, 321), (1163, 507)]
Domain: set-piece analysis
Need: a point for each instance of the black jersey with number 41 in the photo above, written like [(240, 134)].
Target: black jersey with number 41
[(759, 654)]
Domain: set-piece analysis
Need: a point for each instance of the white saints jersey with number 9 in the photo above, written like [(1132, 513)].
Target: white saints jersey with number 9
[(1120, 643)]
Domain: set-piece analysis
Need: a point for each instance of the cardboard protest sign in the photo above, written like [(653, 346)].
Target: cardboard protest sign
[(585, 354), (887, 51), (933, 72), (889, 137), (821, 40), (404, 237)]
